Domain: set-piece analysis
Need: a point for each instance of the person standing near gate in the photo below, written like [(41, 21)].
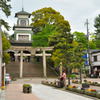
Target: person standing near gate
[(63, 78)]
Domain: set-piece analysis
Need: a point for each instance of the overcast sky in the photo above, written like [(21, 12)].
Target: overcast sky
[(75, 11)]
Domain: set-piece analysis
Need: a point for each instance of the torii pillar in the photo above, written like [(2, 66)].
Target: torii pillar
[(21, 54), (44, 62), (21, 64)]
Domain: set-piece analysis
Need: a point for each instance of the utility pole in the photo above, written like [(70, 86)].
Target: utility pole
[(0, 56), (88, 48)]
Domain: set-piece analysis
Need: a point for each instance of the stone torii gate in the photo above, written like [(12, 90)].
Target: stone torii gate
[(33, 52)]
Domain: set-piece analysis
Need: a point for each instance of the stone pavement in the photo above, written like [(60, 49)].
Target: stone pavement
[(39, 91), (50, 93), (2, 94), (14, 92)]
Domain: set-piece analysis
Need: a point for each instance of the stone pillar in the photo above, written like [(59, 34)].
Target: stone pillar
[(44, 64), (16, 57), (21, 64)]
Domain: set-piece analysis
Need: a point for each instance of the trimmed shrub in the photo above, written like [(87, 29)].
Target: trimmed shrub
[(98, 95), (27, 88), (85, 85), (93, 94)]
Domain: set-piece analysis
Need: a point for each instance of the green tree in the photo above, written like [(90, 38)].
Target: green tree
[(5, 7), (97, 31), (52, 30), (63, 50), (41, 38), (78, 56), (68, 49), (92, 44), (81, 49), (86, 45), (6, 46), (49, 16), (47, 21), (80, 37), (70, 54)]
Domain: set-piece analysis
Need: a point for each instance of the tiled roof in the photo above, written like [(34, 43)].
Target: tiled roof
[(22, 13), (95, 51)]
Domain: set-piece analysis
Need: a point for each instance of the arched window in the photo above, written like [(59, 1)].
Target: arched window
[(23, 22)]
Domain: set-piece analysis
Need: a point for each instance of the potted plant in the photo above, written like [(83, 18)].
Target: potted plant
[(27, 88)]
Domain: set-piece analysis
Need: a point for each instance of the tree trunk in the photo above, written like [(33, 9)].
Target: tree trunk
[(80, 75), (68, 76)]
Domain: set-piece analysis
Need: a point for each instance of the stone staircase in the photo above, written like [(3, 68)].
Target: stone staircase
[(31, 69), (13, 69)]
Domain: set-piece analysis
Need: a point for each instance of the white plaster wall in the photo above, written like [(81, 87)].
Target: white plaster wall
[(96, 63), (29, 29)]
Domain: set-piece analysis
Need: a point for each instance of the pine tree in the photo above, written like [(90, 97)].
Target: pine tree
[(5, 8)]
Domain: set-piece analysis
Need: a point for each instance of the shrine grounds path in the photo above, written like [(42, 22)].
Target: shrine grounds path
[(50, 93), (39, 92), (14, 92)]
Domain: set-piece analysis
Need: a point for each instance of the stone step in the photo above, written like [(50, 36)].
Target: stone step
[(30, 69)]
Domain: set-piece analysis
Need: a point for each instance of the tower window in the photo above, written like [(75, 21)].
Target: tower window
[(95, 58), (23, 22), (23, 37)]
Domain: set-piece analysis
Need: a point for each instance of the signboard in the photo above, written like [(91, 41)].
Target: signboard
[(86, 63)]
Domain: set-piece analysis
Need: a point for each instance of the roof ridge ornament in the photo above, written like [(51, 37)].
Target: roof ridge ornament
[(22, 6), (22, 9)]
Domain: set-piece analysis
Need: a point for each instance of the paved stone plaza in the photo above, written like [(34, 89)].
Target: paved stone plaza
[(39, 92), (49, 93), (2, 94)]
